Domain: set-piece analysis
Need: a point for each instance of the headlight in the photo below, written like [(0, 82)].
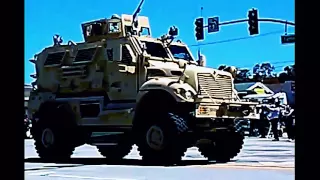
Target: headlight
[(186, 94)]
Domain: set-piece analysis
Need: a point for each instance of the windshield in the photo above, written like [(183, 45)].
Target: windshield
[(180, 52), (155, 49)]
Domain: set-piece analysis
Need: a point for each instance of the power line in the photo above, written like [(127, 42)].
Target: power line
[(282, 62), (236, 39), (280, 66)]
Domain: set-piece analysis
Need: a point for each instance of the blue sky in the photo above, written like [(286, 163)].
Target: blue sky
[(43, 19)]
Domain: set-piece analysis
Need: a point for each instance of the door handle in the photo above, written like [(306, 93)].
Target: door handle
[(124, 69)]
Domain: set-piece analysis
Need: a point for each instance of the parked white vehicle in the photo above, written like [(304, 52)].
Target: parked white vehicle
[(262, 97)]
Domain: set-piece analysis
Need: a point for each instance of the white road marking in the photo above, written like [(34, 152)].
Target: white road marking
[(53, 174), (85, 177), (255, 152), (247, 166), (280, 164), (41, 173)]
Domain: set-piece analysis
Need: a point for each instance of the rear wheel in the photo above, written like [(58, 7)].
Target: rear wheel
[(53, 135)]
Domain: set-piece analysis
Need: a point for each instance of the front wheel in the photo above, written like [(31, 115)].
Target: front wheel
[(222, 147), (160, 138)]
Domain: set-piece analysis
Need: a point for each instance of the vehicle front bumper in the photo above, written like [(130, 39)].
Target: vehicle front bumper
[(244, 110)]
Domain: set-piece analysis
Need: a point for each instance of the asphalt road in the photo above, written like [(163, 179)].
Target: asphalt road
[(260, 158)]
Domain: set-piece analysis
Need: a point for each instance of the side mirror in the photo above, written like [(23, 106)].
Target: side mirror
[(182, 64), (145, 59)]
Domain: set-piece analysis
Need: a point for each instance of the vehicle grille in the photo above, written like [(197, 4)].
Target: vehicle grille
[(220, 88), (74, 71)]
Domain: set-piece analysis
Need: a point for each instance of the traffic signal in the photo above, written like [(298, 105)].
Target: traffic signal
[(199, 29), (253, 22), (213, 24), (288, 39)]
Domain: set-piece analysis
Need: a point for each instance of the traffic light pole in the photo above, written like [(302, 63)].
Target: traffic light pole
[(262, 20)]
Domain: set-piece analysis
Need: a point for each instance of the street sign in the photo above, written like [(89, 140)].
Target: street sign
[(288, 39), (213, 24)]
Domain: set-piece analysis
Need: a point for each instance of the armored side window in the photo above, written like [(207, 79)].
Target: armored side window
[(114, 52), (121, 53), (155, 49), (114, 27), (88, 30), (110, 54), (94, 29), (126, 55), (128, 29), (144, 31), (97, 29)]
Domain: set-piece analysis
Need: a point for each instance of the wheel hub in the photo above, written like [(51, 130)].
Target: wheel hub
[(155, 137), (47, 137)]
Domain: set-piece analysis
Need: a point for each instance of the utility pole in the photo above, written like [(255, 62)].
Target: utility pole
[(199, 49)]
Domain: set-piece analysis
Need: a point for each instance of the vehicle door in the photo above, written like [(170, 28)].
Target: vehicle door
[(122, 72)]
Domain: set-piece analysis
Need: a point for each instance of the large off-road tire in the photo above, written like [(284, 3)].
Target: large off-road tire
[(238, 140), (223, 147), (160, 138), (116, 152), (54, 134)]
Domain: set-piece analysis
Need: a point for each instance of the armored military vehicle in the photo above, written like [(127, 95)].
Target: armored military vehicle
[(122, 87)]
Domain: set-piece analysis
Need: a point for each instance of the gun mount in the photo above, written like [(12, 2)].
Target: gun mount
[(115, 27)]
